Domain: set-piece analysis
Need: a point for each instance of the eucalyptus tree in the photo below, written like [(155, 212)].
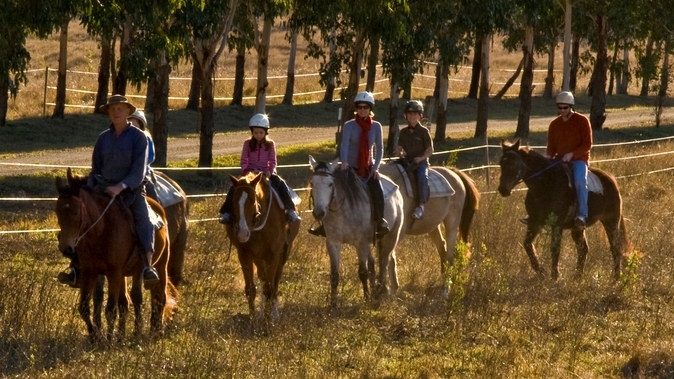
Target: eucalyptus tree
[(19, 19), (64, 12), (348, 25), (208, 23)]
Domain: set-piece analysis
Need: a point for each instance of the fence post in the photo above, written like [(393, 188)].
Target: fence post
[(44, 97)]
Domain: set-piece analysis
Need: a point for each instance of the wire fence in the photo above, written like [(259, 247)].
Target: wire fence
[(485, 167)]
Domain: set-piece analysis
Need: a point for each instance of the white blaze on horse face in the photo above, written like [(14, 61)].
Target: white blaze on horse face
[(244, 233)]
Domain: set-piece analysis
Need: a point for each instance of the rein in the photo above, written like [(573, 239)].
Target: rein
[(537, 173), (266, 216), (333, 197), (84, 209)]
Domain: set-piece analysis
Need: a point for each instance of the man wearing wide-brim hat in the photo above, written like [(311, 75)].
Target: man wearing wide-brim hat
[(118, 168)]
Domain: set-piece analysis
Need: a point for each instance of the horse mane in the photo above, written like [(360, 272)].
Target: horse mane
[(354, 191), (533, 156)]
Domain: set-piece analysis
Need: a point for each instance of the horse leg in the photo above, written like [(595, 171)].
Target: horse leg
[(617, 239), (532, 232), (383, 250), (98, 300), (115, 283), (249, 289), (158, 294), (86, 287), (275, 315), (581, 248), (365, 267), (445, 257), (334, 248), (137, 301), (393, 272), (555, 247), (123, 308)]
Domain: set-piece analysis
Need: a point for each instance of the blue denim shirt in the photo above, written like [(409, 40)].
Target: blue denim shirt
[(120, 159)]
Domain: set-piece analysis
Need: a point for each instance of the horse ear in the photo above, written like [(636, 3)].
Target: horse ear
[(516, 145), (256, 179), (69, 175), (60, 185), (333, 164), (234, 180), (312, 162)]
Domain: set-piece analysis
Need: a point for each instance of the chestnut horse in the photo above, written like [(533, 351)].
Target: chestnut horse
[(100, 231), (551, 194), (342, 203), (446, 218), (262, 237)]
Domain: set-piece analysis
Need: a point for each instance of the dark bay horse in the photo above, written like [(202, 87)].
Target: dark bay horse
[(550, 200), (446, 218), (262, 237), (177, 219), (99, 230), (342, 204)]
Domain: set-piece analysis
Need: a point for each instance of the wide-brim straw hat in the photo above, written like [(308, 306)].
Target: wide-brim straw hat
[(117, 99)]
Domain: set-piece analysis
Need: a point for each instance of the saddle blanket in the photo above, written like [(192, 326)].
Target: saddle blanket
[(594, 183), (166, 193), (437, 184), (388, 186)]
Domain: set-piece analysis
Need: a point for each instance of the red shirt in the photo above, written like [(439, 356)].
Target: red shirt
[(573, 135)]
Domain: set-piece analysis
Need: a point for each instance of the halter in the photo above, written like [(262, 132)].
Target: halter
[(83, 211)]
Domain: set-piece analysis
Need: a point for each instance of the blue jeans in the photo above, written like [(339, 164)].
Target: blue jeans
[(579, 169), (422, 181)]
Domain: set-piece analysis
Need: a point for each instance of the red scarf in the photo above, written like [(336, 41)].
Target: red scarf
[(364, 146)]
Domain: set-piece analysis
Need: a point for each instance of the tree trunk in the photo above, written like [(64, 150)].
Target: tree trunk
[(647, 67), (483, 99), (394, 127), (290, 81), (372, 64), (354, 73), (195, 86), (624, 80), (103, 74), (60, 103), (664, 72), (160, 114), (263, 68), (120, 78), (4, 98), (443, 90), (566, 79), (475, 73), (150, 93), (239, 74), (575, 59), (330, 82), (550, 76), (526, 85), (612, 78), (206, 128), (598, 107), (510, 81)]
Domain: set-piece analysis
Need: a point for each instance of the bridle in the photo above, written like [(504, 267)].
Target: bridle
[(523, 166), (257, 206), (333, 194), (83, 217)]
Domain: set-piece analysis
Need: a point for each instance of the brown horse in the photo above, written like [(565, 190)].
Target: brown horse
[(262, 238), (445, 219), (99, 229), (550, 200), (177, 219)]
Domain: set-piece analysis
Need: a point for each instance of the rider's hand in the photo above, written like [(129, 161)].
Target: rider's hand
[(115, 190), (567, 157)]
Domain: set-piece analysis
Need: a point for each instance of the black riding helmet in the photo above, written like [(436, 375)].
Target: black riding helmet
[(414, 106)]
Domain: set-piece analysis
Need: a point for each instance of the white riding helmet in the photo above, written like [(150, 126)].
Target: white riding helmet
[(140, 116), (259, 120), (364, 97), (565, 97)]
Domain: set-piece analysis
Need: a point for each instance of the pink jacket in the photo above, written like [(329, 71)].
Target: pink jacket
[(258, 160)]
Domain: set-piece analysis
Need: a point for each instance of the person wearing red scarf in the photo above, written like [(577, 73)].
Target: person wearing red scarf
[(359, 136)]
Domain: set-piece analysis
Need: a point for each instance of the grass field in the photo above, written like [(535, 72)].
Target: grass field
[(502, 320)]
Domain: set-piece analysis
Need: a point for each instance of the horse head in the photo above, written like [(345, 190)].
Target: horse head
[(246, 206), (322, 186), (70, 211), (512, 167)]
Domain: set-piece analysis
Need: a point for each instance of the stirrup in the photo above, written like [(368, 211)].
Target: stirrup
[(69, 277), (418, 212), (150, 276), (319, 231), (579, 222), (293, 216)]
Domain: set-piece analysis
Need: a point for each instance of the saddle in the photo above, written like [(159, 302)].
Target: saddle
[(438, 186), (167, 194), (593, 185)]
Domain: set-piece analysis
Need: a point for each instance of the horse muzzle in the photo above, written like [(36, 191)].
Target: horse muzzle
[(318, 214), (504, 191), (68, 252)]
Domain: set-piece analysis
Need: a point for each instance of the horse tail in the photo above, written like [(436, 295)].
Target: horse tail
[(625, 244), (470, 204), (172, 297)]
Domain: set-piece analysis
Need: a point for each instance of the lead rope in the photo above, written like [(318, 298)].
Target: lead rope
[(78, 239)]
